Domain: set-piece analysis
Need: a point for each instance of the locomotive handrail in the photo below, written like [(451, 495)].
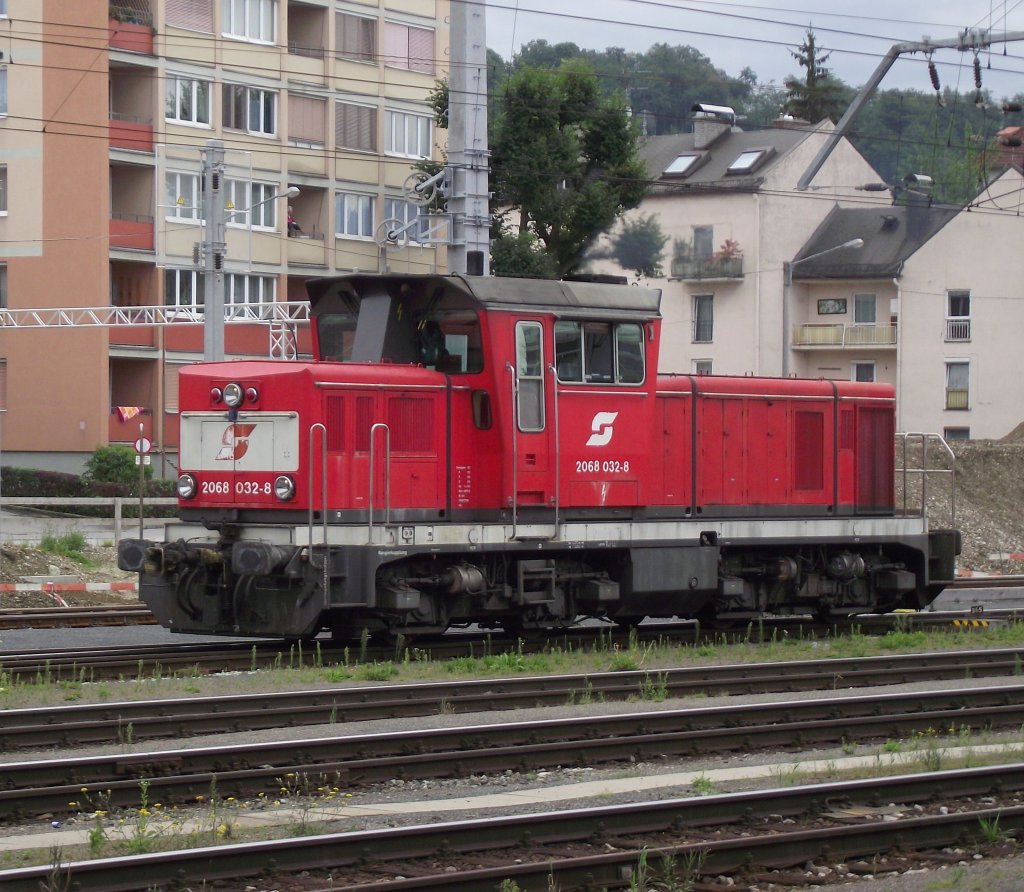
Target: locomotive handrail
[(558, 444), (323, 493), (387, 472), (515, 445), (925, 438)]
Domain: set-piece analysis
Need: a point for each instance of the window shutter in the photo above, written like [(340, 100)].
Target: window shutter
[(356, 37), (195, 15), (171, 387), (355, 127), (421, 50), (3, 384), (306, 118), (396, 45)]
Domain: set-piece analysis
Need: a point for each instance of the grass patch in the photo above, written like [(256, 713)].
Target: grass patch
[(69, 545)]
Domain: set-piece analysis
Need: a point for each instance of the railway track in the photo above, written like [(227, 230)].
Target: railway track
[(138, 661), (139, 614), (590, 848), (98, 723), (182, 775)]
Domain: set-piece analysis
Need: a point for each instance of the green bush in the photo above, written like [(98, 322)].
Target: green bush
[(114, 464)]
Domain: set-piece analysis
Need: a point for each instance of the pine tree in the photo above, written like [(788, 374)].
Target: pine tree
[(819, 95)]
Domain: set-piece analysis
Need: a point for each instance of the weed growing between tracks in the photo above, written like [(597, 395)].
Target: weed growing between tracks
[(307, 666)]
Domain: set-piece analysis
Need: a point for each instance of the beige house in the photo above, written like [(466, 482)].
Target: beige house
[(102, 139), (835, 281)]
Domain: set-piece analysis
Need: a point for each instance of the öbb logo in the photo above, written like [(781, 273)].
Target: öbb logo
[(236, 441), (602, 428)]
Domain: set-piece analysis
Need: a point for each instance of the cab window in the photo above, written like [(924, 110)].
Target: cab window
[(530, 376), (599, 352)]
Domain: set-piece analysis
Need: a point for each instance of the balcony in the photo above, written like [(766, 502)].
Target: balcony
[(707, 268), (131, 132), (841, 335), (131, 26), (307, 249), (958, 329), (123, 426)]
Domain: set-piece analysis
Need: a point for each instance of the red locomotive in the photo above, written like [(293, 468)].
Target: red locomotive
[(504, 452)]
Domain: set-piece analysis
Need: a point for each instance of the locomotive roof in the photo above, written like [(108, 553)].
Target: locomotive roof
[(580, 299)]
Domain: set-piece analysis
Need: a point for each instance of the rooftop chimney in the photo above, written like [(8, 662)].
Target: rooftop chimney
[(710, 122)]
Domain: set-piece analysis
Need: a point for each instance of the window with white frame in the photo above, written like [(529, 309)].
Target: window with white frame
[(956, 433), (242, 292), (958, 316), (703, 318), (251, 203), (3, 190), (254, 20), (408, 47), (355, 126), (864, 309), (250, 109), (183, 196), (407, 134), (355, 37), (3, 7), (184, 288), (3, 285), (703, 242), (408, 214), (862, 371), (3, 90), (353, 215), (958, 384), (187, 100), (702, 366)]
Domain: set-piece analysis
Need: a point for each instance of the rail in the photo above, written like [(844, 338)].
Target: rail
[(918, 476), (318, 427), (380, 425)]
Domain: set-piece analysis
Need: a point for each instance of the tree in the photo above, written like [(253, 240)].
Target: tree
[(639, 245), (564, 162), (818, 95)]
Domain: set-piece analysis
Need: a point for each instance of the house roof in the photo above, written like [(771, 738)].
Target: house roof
[(890, 234), (658, 152)]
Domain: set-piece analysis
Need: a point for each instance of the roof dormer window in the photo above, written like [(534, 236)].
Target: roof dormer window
[(749, 160), (684, 164)]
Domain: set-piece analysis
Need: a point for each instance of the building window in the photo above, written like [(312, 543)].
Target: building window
[(863, 371), (354, 215), (250, 109), (599, 352), (958, 384), (306, 121), (703, 318), (864, 309), (184, 196), (832, 306), (243, 292), (254, 20), (3, 286), (3, 8), (193, 15), (956, 433), (251, 204), (703, 242), (355, 37), (958, 316), (407, 135), (184, 288), (702, 367), (355, 127), (3, 90), (684, 164), (187, 101), (409, 48), (3, 190)]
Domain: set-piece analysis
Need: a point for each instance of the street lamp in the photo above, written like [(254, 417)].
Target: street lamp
[(787, 284)]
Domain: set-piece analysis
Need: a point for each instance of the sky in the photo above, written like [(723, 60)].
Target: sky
[(759, 34)]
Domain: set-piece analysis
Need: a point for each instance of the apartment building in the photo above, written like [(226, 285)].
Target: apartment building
[(111, 112), (836, 281)]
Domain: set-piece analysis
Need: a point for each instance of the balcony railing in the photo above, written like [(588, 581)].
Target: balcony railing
[(708, 267), (958, 329), (841, 335)]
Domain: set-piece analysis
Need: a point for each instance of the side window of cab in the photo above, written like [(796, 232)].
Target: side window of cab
[(599, 352)]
